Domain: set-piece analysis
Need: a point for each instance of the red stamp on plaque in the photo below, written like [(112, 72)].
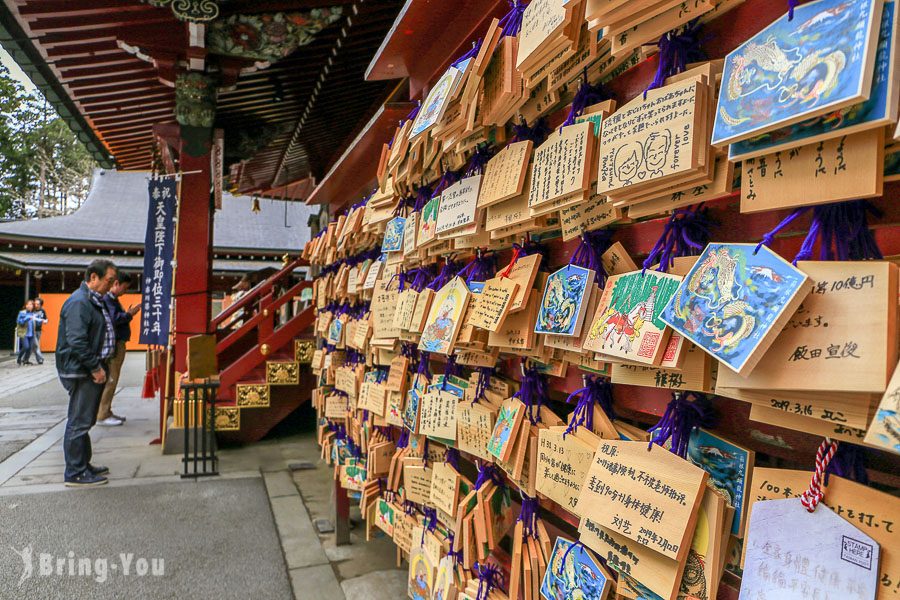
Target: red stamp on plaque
[(671, 347), (649, 341)]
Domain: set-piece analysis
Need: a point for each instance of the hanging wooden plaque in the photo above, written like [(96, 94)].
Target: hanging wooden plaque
[(649, 496)]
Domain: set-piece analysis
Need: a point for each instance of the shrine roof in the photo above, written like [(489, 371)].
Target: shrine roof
[(114, 215)]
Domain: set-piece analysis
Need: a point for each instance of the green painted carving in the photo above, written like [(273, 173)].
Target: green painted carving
[(270, 36), (194, 11), (195, 99)]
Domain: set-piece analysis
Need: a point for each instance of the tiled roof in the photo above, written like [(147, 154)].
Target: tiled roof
[(115, 215)]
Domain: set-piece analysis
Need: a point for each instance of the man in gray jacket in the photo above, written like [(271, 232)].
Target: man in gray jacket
[(84, 344)]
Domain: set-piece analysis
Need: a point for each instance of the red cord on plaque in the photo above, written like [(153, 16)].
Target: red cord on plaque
[(814, 494)]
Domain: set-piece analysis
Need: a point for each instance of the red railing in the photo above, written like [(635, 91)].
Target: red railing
[(257, 292), (275, 340), (258, 326)]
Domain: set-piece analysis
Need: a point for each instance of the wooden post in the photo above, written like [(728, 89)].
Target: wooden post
[(341, 515)]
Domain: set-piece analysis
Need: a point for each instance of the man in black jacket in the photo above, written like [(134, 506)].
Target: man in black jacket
[(85, 342), (121, 319)]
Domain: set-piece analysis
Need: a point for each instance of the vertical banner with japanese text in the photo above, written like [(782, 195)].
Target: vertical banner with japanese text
[(159, 252)]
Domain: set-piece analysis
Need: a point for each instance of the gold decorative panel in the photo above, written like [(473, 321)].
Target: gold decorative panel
[(252, 395), (228, 418), (282, 373), (303, 351)]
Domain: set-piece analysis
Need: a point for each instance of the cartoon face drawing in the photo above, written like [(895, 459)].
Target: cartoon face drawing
[(656, 150), (627, 161)]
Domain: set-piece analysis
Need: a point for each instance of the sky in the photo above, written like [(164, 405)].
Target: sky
[(14, 69)]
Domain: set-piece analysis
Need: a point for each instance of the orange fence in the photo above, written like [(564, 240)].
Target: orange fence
[(53, 304)]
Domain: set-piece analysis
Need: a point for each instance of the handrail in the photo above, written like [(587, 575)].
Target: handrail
[(257, 292), (257, 318), (231, 374)]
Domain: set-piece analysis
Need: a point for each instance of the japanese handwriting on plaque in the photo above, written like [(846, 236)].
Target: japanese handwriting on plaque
[(647, 495), (561, 164), (562, 464), (492, 304), (458, 206), (652, 139), (872, 511), (825, 345), (437, 415), (504, 174), (795, 554)]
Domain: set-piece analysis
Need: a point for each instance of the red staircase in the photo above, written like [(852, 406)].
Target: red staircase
[(263, 357)]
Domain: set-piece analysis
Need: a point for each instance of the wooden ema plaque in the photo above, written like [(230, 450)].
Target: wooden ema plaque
[(504, 174), (647, 495), (383, 307), (562, 465), (825, 345), (827, 554), (627, 321), (873, 512), (437, 415), (884, 431), (523, 273), (458, 205), (640, 142), (695, 373), (659, 574), (842, 168), (562, 164), (492, 304), (475, 424), (732, 320)]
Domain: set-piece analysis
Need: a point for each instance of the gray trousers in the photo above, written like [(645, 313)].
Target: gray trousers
[(84, 399), (36, 348)]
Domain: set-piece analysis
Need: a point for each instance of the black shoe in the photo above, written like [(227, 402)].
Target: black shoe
[(86, 479), (98, 470)]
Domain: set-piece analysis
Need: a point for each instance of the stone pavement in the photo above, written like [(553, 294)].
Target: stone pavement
[(245, 534)]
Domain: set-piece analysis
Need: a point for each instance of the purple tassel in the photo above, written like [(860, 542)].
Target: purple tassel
[(511, 23), (676, 51), (451, 457), (589, 252), (488, 579), (403, 440), (848, 462), (532, 392), (481, 156), (423, 369), (401, 281), (457, 555), (483, 383), (682, 416), (480, 269), (447, 272), (471, 53), (488, 472), (529, 516), (409, 507), (597, 391), (687, 232), (447, 179), (430, 522), (404, 205), (841, 229), (586, 95), (451, 369), (792, 4), (537, 134), (423, 195)]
